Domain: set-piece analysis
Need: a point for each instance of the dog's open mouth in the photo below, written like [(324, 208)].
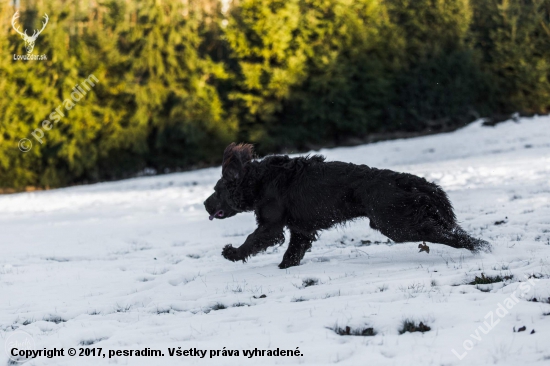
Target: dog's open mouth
[(220, 214)]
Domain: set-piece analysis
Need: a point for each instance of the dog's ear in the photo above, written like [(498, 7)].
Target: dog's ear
[(235, 158)]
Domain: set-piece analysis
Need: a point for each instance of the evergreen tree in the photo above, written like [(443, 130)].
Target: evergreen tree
[(352, 49), (514, 38), (263, 39), (310, 71), (440, 85), (154, 105)]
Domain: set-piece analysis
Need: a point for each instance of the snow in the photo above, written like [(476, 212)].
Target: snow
[(137, 264)]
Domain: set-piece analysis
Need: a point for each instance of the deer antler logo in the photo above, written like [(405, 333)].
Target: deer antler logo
[(29, 40)]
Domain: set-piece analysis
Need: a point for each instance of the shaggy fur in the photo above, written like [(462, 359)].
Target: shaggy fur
[(307, 194)]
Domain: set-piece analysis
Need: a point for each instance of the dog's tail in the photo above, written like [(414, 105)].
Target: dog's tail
[(464, 240)]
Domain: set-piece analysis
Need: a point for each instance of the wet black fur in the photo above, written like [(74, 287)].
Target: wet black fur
[(308, 194)]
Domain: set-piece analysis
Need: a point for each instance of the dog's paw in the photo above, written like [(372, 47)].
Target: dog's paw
[(286, 263), (230, 253)]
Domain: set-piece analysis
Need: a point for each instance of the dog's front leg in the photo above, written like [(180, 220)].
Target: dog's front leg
[(262, 238), (299, 243)]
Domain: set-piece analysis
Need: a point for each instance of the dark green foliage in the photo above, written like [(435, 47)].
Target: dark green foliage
[(218, 306), (306, 282), (411, 326), (443, 92), (179, 80), (514, 38), (308, 66), (485, 280), (153, 107), (239, 304), (54, 319), (364, 332)]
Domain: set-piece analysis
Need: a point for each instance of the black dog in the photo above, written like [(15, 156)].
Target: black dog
[(307, 194)]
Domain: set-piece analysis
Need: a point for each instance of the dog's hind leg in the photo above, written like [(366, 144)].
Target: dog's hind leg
[(458, 238), (299, 244)]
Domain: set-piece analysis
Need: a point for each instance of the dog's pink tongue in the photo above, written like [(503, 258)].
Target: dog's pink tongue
[(217, 214)]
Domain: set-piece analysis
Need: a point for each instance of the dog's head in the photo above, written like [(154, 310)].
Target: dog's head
[(224, 202)]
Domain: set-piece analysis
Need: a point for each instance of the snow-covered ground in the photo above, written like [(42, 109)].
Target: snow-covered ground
[(136, 264)]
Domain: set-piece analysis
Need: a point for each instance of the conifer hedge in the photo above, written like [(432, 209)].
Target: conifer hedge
[(179, 79)]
